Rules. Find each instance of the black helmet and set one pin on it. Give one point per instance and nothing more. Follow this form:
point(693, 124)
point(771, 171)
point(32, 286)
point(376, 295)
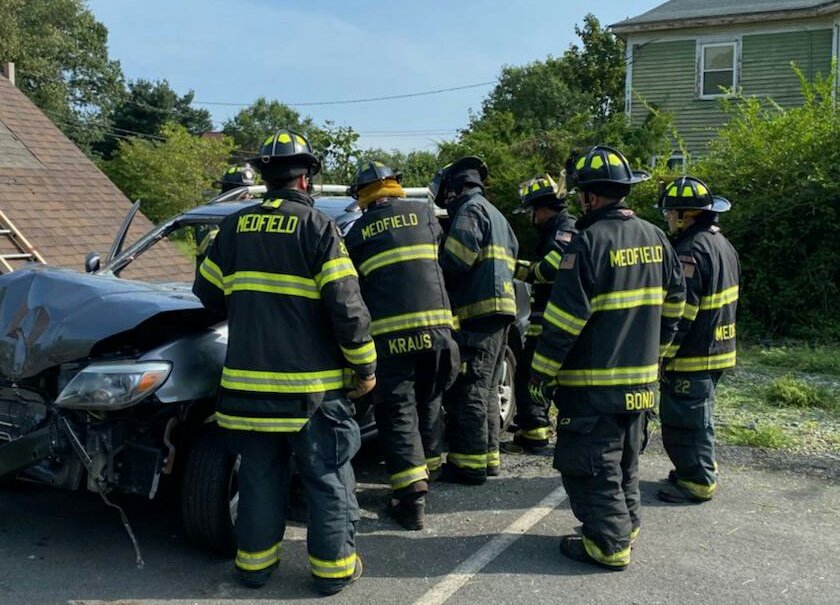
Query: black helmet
point(469, 169)
point(288, 154)
point(541, 191)
point(236, 176)
point(371, 172)
point(603, 164)
point(689, 193)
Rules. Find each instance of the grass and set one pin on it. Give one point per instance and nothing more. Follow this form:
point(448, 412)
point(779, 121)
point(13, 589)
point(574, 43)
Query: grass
point(782, 398)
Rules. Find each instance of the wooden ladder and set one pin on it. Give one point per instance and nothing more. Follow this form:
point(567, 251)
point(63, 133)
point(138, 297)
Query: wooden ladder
point(25, 250)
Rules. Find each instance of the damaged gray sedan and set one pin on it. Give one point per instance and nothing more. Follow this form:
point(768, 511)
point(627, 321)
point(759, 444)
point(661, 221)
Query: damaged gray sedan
point(109, 384)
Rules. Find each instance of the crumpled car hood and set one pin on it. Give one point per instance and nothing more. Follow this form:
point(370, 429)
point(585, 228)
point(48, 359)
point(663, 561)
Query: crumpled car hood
point(50, 316)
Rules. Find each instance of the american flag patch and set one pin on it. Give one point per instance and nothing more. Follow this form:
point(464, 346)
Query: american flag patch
point(568, 261)
point(563, 236)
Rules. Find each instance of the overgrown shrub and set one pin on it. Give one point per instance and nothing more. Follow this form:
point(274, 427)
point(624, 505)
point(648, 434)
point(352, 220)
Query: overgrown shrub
point(791, 392)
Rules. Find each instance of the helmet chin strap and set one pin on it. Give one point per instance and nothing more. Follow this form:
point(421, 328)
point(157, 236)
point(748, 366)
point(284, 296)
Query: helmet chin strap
point(587, 203)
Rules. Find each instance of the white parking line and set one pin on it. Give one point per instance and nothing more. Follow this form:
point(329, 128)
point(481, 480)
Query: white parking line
point(469, 568)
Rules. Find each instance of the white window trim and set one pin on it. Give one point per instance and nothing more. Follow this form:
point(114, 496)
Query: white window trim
point(674, 156)
point(701, 59)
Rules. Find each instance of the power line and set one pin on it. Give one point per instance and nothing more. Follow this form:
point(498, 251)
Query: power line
point(365, 100)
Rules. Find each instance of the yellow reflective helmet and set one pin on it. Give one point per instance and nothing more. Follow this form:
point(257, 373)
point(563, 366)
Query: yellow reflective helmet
point(689, 193)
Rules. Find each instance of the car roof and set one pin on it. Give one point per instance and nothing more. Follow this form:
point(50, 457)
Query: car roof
point(331, 205)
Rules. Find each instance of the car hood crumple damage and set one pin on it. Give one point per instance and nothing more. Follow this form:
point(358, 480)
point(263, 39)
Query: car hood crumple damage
point(50, 316)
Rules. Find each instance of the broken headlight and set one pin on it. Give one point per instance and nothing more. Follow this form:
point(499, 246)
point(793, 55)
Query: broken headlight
point(114, 385)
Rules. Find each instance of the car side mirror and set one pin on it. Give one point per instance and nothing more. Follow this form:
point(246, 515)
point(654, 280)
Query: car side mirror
point(92, 262)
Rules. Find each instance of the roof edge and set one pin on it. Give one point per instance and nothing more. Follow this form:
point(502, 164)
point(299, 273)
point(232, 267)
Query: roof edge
point(753, 17)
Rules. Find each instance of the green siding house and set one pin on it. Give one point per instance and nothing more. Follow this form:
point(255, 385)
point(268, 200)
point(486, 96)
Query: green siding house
point(682, 55)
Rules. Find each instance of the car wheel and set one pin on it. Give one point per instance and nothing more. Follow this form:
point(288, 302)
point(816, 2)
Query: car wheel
point(210, 492)
point(507, 399)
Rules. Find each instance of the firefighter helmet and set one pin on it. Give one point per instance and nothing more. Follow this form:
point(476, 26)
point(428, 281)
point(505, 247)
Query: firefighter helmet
point(236, 176)
point(467, 170)
point(603, 164)
point(371, 172)
point(288, 150)
point(542, 192)
point(689, 193)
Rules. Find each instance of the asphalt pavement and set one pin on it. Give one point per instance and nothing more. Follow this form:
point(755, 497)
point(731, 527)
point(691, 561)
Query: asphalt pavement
point(768, 537)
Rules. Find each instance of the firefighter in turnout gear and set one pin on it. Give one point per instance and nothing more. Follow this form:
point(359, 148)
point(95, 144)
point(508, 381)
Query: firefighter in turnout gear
point(705, 342)
point(280, 273)
point(478, 259)
point(233, 178)
point(614, 308)
point(394, 246)
point(546, 203)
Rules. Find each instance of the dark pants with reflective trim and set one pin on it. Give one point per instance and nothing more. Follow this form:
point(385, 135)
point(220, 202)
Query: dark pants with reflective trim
point(686, 406)
point(598, 457)
point(472, 404)
point(529, 414)
point(408, 394)
point(323, 449)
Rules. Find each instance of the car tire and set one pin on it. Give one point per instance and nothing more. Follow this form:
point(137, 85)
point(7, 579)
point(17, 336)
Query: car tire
point(209, 493)
point(507, 397)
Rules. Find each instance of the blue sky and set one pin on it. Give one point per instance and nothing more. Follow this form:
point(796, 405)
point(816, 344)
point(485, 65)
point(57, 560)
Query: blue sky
point(233, 51)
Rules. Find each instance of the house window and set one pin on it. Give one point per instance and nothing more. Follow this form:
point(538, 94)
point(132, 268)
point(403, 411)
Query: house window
point(717, 68)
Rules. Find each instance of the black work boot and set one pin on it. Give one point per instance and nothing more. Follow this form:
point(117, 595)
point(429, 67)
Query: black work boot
point(674, 493)
point(452, 474)
point(330, 586)
point(537, 447)
point(410, 512)
point(572, 547)
point(255, 579)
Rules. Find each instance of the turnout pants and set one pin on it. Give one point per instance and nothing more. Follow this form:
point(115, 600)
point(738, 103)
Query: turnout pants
point(685, 408)
point(472, 404)
point(531, 417)
point(323, 449)
point(598, 457)
point(407, 399)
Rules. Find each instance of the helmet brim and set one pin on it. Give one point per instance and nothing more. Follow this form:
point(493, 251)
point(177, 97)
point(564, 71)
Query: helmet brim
point(720, 204)
point(297, 158)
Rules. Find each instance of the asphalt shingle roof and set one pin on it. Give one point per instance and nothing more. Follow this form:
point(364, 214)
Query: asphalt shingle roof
point(60, 201)
point(676, 10)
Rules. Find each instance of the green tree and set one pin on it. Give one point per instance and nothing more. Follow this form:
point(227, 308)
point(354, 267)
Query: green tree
point(167, 175)
point(61, 62)
point(250, 126)
point(337, 147)
point(144, 110)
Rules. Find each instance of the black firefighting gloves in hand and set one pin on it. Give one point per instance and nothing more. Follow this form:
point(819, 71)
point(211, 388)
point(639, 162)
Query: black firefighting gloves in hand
point(362, 385)
point(540, 390)
point(523, 269)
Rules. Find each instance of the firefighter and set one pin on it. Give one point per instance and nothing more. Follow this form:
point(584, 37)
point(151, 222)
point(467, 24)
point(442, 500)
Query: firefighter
point(545, 202)
point(234, 177)
point(394, 246)
point(705, 342)
point(280, 273)
point(614, 307)
point(478, 257)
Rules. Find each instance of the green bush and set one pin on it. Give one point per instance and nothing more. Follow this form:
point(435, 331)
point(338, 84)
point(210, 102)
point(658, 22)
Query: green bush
point(771, 437)
point(780, 169)
point(791, 392)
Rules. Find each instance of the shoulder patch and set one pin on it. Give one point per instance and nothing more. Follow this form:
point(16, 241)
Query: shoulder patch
point(563, 237)
point(627, 213)
point(688, 269)
point(568, 261)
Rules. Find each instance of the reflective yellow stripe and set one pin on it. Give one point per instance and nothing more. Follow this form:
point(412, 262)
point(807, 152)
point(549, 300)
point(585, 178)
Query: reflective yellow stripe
point(627, 299)
point(537, 434)
point(671, 351)
point(690, 312)
point(608, 376)
point(340, 568)
point(460, 251)
point(497, 253)
point(409, 476)
point(494, 460)
point(256, 561)
point(663, 350)
point(698, 490)
point(634, 534)
point(545, 365)
point(553, 258)
point(434, 463)
point(282, 382)
point(540, 279)
point(399, 255)
point(673, 309)
point(437, 318)
point(334, 269)
point(534, 330)
point(361, 355)
point(565, 321)
point(703, 364)
point(616, 559)
point(504, 306)
point(263, 425)
point(467, 460)
point(211, 272)
point(721, 299)
point(273, 283)
point(206, 241)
